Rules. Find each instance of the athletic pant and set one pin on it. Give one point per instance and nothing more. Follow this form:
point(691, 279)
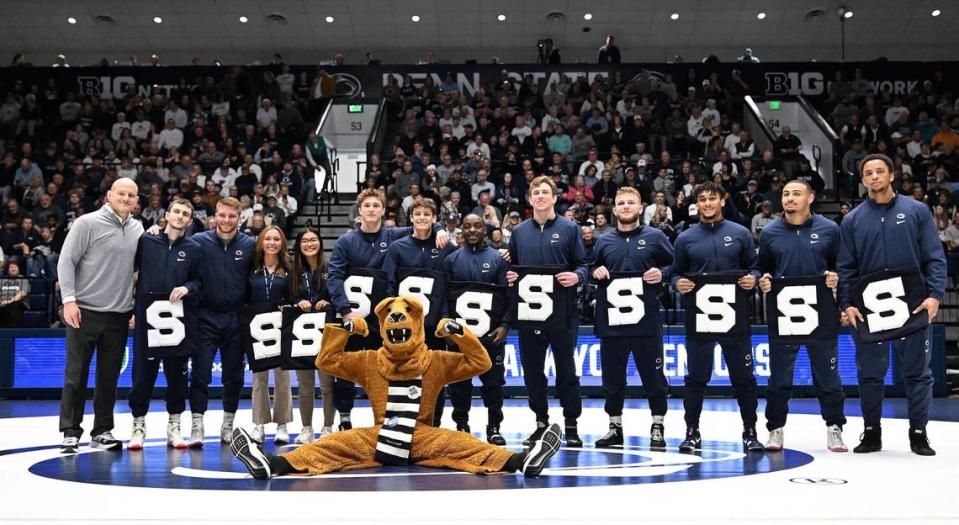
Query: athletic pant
point(344, 392)
point(823, 357)
point(107, 331)
point(492, 380)
point(532, 352)
point(217, 330)
point(648, 356)
point(145, 372)
point(872, 361)
point(738, 355)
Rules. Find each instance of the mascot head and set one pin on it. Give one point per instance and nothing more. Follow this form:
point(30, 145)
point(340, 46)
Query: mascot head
point(401, 325)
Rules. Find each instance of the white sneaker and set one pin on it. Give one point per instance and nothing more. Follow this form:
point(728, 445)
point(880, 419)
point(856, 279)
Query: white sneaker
point(226, 429)
point(70, 445)
point(174, 438)
point(282, 434)
point(139, 434)
point(196, 431)
point(834, 439)
point(257, 434)
point(326, 431)
point(775, 441)
point(306, 436)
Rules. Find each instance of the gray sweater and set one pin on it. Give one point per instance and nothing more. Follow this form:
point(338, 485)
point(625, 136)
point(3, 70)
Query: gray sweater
point(96, 263)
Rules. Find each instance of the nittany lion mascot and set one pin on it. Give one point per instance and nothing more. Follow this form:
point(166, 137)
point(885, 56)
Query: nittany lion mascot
point(402, 379)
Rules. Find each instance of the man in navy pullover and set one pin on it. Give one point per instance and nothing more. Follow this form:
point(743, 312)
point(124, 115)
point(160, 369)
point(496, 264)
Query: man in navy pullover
point(716, 245)
point(227, 256)
point(889, 231)
point(364, 247)
point(631, 247)
point(477, 262)
point(166, 264)
point(546, 239)
point(802, 244)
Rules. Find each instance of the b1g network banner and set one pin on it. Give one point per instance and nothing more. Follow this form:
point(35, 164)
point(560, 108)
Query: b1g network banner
point(767, 79)
point(39, 363)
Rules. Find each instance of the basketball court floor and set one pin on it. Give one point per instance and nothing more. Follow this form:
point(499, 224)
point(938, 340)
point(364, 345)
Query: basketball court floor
point(803, 484)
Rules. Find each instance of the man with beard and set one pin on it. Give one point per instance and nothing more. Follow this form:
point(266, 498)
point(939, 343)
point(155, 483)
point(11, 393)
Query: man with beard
point(644, 252)
point(475, 262)
point(801, 244)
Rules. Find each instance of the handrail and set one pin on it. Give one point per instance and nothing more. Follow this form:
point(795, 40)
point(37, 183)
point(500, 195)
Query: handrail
point(754, 109)
point(334, 163)
point(817, 118)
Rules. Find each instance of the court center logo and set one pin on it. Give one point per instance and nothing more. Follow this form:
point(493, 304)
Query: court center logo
point(214, 468)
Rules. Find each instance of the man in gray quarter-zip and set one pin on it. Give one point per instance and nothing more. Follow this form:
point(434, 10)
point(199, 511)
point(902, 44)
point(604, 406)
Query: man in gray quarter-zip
point(96, 282)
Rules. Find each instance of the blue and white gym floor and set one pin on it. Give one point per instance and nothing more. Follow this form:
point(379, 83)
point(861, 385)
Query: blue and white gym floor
point(803, 484)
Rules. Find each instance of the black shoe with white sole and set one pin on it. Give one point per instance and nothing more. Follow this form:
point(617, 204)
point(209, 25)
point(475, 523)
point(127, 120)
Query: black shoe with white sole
point(245, 449)
point(612, 439)
point(656, 438)
point(572, 437)
point(494, 437)
point(541, 450)
point(692, 442)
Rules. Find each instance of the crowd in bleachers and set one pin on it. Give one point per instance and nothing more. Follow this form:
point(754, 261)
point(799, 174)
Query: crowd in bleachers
point(247, 136)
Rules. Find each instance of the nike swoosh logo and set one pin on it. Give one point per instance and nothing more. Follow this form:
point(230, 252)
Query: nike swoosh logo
point(180, 260)
point(900, 222)
point(553, 241)
point(485, 271)
point(727, 244)
point(658, 367)
point(433, 256)
point(813, 242)
point(382, 251)
point(238, 258)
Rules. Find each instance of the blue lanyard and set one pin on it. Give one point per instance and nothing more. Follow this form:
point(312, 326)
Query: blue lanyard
point(268, 283)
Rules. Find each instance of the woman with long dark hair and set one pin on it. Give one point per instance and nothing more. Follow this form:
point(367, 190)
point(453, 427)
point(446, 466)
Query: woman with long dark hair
point(310, 293)
point(269, 282)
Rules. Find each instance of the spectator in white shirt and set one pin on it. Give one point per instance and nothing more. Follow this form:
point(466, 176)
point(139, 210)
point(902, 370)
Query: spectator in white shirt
point(729, 143)
point(521, 130)
point(171, 136)
point(892, 114)
point(225, 176)
point(141, 128)
point(176, 113)
point(121, 124)
point(711, 111)
point(479, 145)
point(286, 202)
point(591, 160)
point(266, 115)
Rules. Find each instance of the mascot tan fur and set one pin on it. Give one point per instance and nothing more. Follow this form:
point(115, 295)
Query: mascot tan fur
point(402, 379)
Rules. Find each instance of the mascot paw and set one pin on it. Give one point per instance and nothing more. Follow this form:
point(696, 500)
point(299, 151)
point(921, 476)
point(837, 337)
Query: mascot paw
point(448, 327)
point(356, 325)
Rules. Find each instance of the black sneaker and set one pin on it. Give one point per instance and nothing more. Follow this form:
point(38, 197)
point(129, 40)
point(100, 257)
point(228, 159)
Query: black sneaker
point(612, 439)
point(919, 442)
point(346, 425)
point(106, 441)
point(69, 445)
point(542, 449)
point(245, 450)
point(656, 436)
point(463, 428)
point(870, 440)
point(692, 442)
point(751, 441)
point(493, 437)
point(538, 433)
point(572, 437)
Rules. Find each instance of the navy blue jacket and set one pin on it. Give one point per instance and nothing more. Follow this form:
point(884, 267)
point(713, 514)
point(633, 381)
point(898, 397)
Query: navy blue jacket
point(557, 242)
point(635, 251)
point(224, 270)
point(313, 287)
point(410, 252)
point(805, 250)
point(163, 266)
point(357, 249)
point(479, 265)
point(876, 237)
point(715, 247)
point(260, 288)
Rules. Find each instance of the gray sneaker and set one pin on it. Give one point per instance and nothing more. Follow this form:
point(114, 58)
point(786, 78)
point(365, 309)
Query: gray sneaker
point(834, 439)
point(105, 441)
point(226, 429)
point(775, 440)
point(69, 445)
point(139, 434)
point(196, 431)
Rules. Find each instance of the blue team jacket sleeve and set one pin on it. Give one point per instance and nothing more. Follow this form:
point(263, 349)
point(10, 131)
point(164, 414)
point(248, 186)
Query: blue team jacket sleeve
point(336, 274)
point(390, 266)
point(665, 257)
point(847, 263)
point(501, 280)
point(194, 281)
point(513, 254)
point(764, 259)
point(579, 257)
point(749, 258)
point(680, 263)
point(933, 256)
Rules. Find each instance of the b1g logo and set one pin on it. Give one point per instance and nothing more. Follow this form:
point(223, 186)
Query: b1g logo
point(208, 469)
point(793, 83)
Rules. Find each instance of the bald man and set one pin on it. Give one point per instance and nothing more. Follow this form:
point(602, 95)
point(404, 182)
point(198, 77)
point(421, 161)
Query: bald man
point(96, 282)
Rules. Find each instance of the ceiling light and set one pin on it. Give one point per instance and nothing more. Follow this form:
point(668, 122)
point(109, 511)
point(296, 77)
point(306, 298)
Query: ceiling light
point(501, 18)
point(244, 19)
point(761, 16)
point(415, 18)
point(848, 14)
point(588, 16)
point(674, 16)
point(329, 20)
point(936, 12)
point(72, 20)
point(157, 20)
